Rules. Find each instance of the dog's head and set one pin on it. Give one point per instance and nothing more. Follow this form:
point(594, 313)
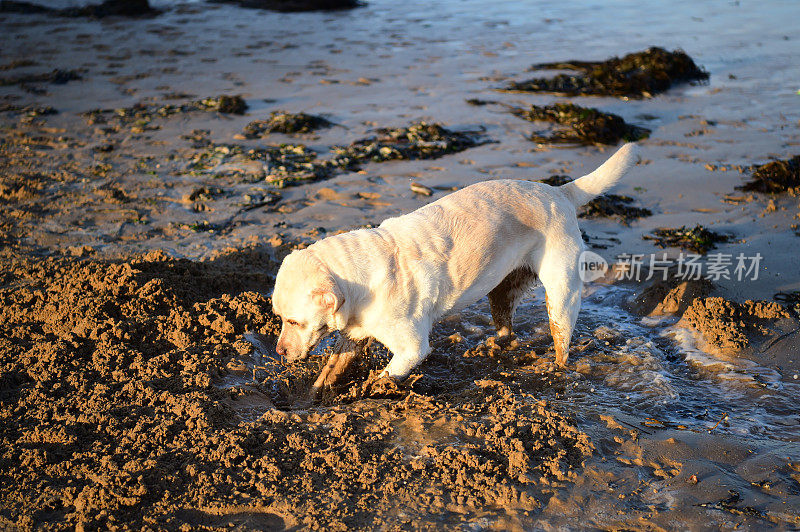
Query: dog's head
point(306, 298)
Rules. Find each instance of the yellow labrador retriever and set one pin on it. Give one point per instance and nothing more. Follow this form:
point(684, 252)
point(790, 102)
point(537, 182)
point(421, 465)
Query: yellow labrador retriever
point(393, 282)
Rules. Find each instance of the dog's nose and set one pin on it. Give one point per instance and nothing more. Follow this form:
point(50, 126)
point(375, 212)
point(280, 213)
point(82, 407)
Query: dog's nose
point(280, 350)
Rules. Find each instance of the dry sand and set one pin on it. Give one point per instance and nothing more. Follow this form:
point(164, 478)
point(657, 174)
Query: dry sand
point(138, 385)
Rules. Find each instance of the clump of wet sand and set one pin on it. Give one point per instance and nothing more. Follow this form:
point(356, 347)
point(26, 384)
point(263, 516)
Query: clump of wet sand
point(671, 296)
point(731, 327)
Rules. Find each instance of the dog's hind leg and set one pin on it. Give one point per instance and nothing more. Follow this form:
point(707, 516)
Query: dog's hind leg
point(563, 286)
point(504, 298)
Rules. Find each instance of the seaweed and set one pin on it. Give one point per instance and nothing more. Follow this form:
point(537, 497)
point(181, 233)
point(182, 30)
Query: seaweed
point(291, 164)
point(29, 111)
point(697, 239)
point(109, 8)
point(556, 180)
point(639, 74)
point(204, 194)
point(56, 77)
point(730, 505)
point(282, 165)
point(775, 177)
point(477, 102)
point(583, 125)
point(223, 103)
point(284, 122)
point(613, 206)
point(605, 206)
point(289, 6)
point(790, 300)
point(418, 141)
point(18, 63)
point(288, 164)
point(11, 6)
point(140, 115)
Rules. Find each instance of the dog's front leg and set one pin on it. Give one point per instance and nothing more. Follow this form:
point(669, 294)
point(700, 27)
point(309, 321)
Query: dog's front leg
point(345, 351)
point(409, 348)
point(562, 286)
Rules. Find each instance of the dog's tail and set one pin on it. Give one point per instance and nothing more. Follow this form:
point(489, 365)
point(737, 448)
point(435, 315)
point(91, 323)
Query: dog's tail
point(583, 189)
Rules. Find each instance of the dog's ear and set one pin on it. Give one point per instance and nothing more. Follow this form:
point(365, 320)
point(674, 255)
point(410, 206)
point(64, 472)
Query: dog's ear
point(326, 292)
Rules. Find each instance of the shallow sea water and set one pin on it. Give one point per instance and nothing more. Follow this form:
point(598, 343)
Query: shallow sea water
point(651, 369)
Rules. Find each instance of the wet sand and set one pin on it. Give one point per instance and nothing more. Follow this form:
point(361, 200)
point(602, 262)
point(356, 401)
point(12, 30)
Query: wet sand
point(139, 386)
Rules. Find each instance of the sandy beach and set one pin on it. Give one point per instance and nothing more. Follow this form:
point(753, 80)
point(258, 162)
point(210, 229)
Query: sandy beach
point(145, 208)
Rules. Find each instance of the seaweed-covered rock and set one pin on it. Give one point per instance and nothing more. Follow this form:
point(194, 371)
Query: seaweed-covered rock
point(640, 74)
point(775, 177)
point(289, 6)
point(56, 77)
point(290, 164)
point(418, 141)
point(139, 116)
point(234, 105)
point(583, 125)
point(697, 239)
point(613, 206)
point(109, 8)
point(28, 110)
point(284, 122)
point(11, 6)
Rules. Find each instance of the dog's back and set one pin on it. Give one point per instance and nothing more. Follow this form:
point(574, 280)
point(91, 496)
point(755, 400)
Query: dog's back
point(492, 238)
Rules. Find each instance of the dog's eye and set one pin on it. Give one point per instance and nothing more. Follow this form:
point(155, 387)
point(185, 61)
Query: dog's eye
point(292, 322)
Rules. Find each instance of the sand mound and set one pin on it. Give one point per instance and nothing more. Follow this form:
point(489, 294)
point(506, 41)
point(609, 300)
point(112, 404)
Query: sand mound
point(672, 296)
point(728, 326)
